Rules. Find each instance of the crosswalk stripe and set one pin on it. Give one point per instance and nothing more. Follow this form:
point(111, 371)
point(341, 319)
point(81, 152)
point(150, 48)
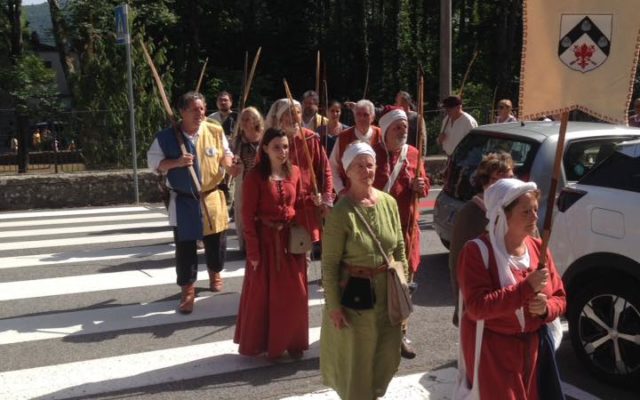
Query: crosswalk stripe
point(85, 240)
point(93, 229)
point(86, 256)
point(89, 377)
point(79, 220)
point(111, 319)
point(81, 211)
point(17, 290)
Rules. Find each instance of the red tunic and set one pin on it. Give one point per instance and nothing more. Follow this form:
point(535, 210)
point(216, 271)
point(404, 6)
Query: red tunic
point(401, 191)
point(274, 313)
point(508, 355)
point(307, 213)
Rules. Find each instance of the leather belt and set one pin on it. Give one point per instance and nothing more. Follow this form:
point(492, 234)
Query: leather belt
point(365, 272)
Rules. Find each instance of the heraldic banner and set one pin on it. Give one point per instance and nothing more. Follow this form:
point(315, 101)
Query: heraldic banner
point(579, 55)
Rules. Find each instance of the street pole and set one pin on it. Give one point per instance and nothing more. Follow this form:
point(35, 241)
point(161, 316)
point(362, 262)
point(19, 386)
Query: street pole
point(124, 37)
point(445, 48)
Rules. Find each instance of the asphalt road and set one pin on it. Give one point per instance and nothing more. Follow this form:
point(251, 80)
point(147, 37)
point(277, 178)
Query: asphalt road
point(87, 310)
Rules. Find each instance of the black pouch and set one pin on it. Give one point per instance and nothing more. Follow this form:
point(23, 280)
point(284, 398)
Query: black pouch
point(358, 294)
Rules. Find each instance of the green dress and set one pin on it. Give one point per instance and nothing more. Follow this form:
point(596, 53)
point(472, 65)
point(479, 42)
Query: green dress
point(359, 361)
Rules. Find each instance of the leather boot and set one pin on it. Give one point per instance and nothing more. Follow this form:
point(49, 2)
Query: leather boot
point(215, 281)
point(187, 299)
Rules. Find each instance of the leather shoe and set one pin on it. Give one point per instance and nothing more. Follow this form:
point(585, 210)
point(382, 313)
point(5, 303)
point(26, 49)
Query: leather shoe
point(406, 351)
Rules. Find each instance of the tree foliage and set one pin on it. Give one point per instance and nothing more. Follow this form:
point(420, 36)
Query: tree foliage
point(374, 43)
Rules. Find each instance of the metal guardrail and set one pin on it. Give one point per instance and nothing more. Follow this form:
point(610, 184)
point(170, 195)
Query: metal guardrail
point(45, 162)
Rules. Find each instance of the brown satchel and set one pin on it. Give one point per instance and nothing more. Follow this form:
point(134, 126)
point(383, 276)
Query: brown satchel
point(399, 305)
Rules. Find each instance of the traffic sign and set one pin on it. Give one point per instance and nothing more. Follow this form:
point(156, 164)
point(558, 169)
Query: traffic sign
point(122, 25)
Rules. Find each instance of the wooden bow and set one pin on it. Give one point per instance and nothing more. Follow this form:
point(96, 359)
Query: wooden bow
point(304, 142)
point(421, 139)
point(204, 67)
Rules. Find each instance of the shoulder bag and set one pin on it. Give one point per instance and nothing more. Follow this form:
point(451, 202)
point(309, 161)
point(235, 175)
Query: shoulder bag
point(399, 304)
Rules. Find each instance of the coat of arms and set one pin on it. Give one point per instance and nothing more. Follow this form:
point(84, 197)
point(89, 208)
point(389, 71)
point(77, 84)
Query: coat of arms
point(585, 40)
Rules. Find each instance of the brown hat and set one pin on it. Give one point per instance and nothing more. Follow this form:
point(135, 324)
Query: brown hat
point(452, 101)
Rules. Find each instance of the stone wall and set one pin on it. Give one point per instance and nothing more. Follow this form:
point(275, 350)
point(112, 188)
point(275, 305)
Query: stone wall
point(83, 189)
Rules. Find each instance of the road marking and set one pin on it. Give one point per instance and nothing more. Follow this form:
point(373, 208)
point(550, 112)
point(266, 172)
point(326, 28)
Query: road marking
point(81, 211)
point(434, 385)
point(94, 230)
point(97, 282)
point(85, 240)
point(110, 319)
point(84, 378)
point(84, 256)
point(80, 220)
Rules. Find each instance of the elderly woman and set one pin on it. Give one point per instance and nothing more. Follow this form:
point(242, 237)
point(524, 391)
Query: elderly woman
point(504, 112)
point(400, 173)
point(312, 198)
point(471, 221)
point(502, 285)
point(245, 147)
point(360, 348)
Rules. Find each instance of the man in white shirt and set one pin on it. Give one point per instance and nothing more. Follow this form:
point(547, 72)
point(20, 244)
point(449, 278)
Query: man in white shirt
point(455, 126)
point(364, 113)
point(310, 117)
point(225, 116)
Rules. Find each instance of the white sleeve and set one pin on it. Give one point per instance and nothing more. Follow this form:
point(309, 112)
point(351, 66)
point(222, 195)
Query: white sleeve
point(338, 185)
point(155, 156)
point(225, 146)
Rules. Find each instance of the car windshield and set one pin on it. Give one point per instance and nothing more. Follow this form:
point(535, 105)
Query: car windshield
point(469, 153)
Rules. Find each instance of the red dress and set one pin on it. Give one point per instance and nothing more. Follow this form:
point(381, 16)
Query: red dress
point(508, 356)
point(274, 312)
point(402, 192)
point(307, 214)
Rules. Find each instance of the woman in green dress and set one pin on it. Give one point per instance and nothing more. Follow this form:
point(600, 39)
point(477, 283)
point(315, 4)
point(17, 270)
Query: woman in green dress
point(360, 348)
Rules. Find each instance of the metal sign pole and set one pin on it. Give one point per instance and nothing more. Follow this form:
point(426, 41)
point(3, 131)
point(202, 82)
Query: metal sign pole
point(124, 37)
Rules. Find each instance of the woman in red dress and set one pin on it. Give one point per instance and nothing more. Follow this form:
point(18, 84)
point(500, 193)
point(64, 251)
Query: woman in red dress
point(274, 314)
point(502, 284)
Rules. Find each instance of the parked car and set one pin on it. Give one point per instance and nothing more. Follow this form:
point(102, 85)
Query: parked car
point(532, 146)
point(596, 245)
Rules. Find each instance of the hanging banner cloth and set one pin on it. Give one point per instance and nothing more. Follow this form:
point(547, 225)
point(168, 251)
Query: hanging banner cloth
point(579, 55)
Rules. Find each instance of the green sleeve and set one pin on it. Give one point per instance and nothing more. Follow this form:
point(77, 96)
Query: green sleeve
point(399, 251)
point(333, 243)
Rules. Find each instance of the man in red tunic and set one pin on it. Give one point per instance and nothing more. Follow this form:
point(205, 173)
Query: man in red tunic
point(400, 173)
point(364, 113)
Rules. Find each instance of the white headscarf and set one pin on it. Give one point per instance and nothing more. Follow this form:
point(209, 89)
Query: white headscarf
point(496, 197)
point(355, 149)
point(389, 118)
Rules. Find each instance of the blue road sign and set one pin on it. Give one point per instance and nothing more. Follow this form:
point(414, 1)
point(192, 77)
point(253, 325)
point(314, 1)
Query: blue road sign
point(122, 26)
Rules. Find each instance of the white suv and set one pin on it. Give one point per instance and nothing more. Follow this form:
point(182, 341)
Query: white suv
point(596, 244)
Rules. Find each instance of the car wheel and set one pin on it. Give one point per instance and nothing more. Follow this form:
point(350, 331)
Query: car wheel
point(445, 243)
point(604, 325)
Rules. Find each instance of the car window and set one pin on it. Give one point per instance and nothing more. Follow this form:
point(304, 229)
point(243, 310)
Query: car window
point(581, 156)
point(619, 171)
point(469, 153)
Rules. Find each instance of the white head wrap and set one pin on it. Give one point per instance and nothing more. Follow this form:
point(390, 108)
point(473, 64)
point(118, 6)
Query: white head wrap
point(275, 112)
point(389, 118)
point(355, 149)
point(496, 197)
